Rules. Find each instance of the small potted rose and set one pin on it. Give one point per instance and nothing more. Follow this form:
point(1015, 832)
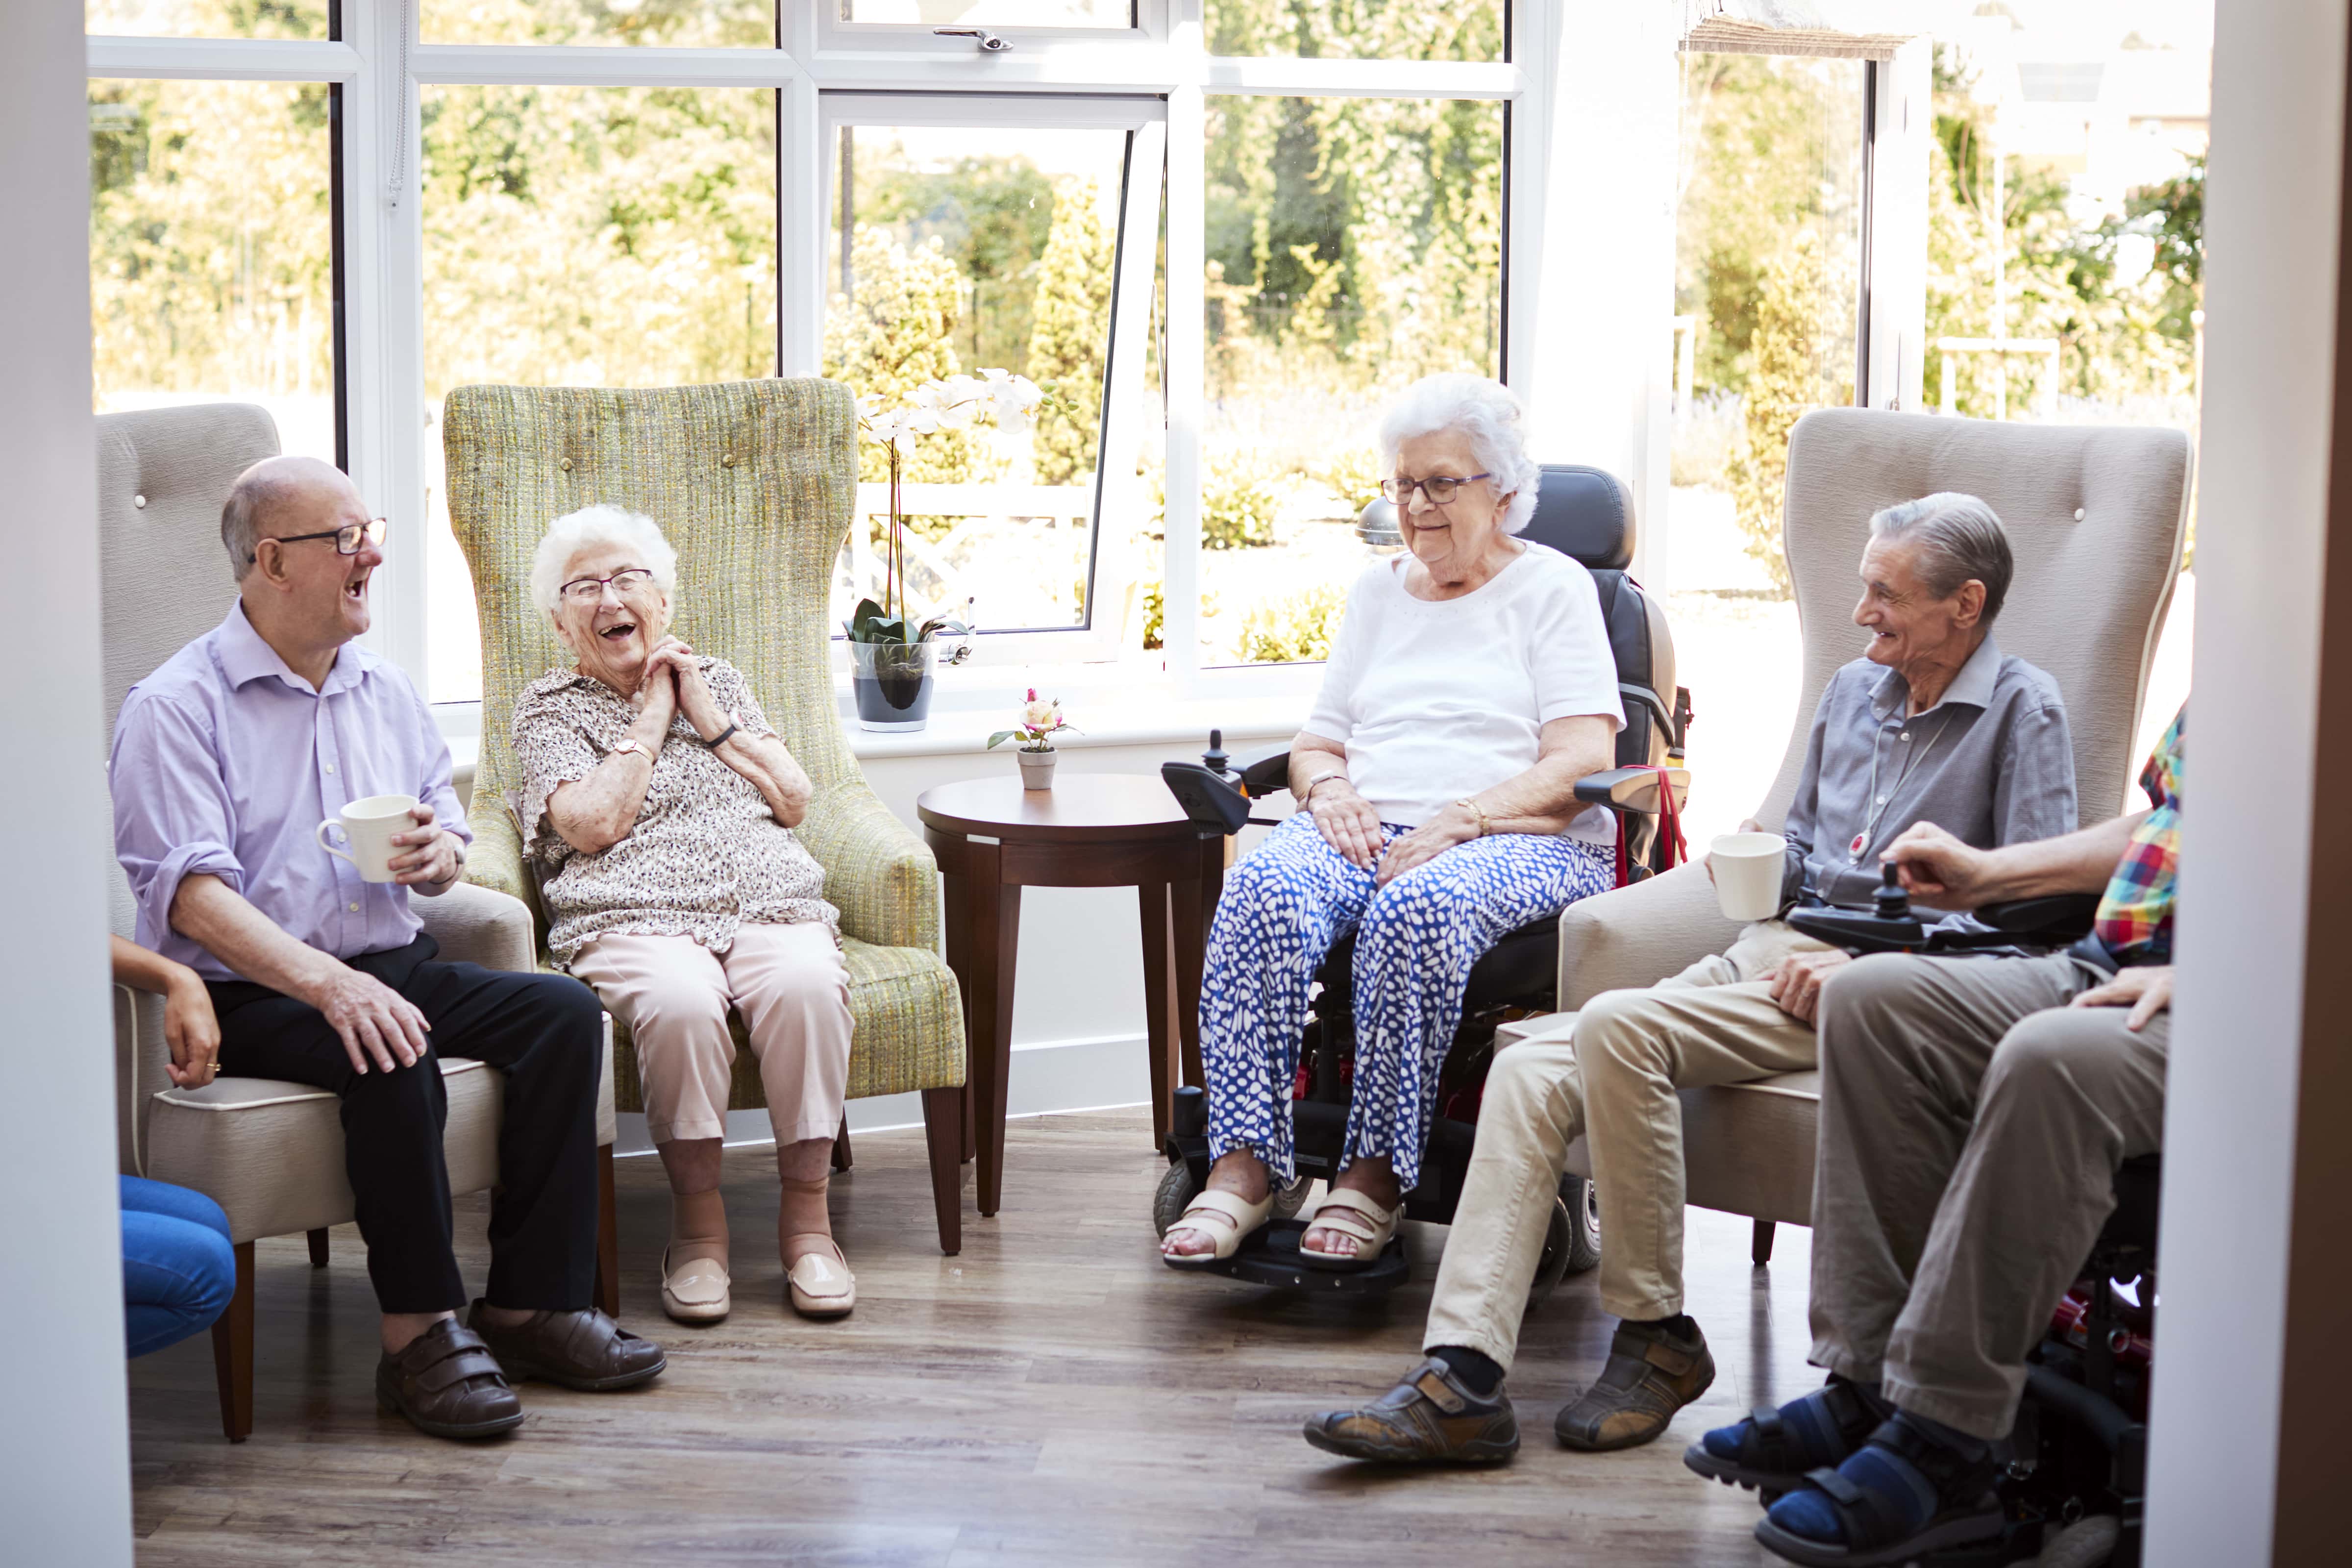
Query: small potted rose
point(1041, 721)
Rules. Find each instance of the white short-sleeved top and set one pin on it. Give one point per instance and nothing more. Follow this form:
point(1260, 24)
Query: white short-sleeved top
point(1437, 699)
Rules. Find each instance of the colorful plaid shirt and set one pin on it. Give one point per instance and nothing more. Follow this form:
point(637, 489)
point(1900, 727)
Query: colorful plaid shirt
point(2135, 921)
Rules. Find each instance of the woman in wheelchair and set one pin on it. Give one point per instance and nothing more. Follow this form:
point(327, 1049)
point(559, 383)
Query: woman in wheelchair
point(1471, 686)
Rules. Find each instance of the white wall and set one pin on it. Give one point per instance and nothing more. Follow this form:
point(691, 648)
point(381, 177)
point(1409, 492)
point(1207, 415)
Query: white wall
point(65, 1480)
point(2278, 107)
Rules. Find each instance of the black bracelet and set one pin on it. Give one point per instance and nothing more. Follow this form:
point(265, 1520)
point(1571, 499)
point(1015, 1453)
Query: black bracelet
point(721, 739)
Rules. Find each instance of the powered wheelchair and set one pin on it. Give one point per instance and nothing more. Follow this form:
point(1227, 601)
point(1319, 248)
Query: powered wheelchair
point(1586, 514)
point(2074, 1487)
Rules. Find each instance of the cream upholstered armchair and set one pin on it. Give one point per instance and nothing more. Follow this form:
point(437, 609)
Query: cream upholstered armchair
point(270, 1153)
point(2097, 517)
point(753, 482)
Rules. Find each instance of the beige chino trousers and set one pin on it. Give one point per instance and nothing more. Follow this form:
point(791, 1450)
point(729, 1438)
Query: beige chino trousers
point(788, 983)
point(1610, 1077)
point(1971, 1125)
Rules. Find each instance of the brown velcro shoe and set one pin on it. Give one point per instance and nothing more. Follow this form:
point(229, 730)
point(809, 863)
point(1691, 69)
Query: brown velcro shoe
point(1652, 1372)
point(584, 1350)
point(447, 1385)
point(1430, 1418)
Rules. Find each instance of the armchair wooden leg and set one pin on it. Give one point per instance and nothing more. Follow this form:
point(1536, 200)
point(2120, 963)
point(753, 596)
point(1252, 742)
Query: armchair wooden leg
point(319, 1247)
point(841, 1144)
point(608, 1237)
point(1761, 1248)
point(233, 1351)
point(943, 1138)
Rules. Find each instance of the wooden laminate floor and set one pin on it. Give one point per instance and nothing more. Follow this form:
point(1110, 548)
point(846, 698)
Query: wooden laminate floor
point(1052, 1395)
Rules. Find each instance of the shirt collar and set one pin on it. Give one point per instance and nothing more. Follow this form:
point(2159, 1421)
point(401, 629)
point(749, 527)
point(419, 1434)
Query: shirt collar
point(1972, 686)
point(244, 656)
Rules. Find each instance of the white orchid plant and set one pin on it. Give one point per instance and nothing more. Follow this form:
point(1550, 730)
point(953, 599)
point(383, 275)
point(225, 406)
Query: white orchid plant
point(1041, 721)
point(949, 402)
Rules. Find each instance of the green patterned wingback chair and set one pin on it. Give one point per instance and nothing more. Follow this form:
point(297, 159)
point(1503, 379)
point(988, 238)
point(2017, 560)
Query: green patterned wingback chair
point(754, 483)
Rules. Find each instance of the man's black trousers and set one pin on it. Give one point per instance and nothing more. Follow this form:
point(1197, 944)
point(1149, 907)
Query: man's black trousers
point(543, 1032)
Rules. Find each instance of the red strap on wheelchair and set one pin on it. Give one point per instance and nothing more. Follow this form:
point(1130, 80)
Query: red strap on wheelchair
point(1670, 832)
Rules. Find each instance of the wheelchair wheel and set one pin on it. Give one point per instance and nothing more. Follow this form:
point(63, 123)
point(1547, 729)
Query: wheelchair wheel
point(1578, 1197)
point(2085, 1543)
point(1176, 1189)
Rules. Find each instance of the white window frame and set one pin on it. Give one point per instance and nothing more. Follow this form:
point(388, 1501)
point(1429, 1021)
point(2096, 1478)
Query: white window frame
point(1563, 95)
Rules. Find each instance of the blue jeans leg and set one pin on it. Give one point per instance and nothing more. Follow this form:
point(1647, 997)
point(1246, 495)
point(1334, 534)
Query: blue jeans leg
point(178, 1269)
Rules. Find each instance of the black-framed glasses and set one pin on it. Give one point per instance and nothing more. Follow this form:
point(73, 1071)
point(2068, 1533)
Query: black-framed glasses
point(347, 538)
point(589, 590)
point(1439, 489)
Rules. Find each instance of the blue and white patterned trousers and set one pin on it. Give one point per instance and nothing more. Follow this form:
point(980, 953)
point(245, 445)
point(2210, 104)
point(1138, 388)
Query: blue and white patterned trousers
point(1284, 907)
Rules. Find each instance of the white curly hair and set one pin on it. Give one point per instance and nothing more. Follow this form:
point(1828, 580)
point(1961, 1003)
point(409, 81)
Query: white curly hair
point(1481, 408)
point(575, 531)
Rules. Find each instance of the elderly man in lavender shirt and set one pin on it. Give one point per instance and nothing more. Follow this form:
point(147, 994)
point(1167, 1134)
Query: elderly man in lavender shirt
point(225, 759)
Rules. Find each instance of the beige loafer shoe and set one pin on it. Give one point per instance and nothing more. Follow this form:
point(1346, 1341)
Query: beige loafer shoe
point(821, 1287)
point(696, 1292)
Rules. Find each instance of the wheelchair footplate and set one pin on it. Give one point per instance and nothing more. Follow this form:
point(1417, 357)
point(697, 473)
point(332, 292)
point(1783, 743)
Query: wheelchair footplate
point(1270, 1257)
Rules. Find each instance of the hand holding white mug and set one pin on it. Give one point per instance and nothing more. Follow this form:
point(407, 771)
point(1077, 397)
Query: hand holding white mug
point(427, 853)
point(1747, 825)
point(369, 825)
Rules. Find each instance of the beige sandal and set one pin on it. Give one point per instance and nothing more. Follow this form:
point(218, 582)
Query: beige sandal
point(1351, 1214)
point(1227, 1219)
point(698, 1291)
point(820, 1287)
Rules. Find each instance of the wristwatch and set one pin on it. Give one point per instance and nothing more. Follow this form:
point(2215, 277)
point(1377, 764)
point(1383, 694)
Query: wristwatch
point(734, 722)
point(630, 744)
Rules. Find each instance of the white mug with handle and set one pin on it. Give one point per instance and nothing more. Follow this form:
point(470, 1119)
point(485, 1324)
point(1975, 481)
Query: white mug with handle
point(368, 825)
point(1748, 870)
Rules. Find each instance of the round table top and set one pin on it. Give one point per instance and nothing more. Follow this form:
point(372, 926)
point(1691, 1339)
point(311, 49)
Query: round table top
point(1079, 808)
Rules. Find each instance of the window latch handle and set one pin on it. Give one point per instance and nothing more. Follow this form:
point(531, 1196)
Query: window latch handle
point(990, 43)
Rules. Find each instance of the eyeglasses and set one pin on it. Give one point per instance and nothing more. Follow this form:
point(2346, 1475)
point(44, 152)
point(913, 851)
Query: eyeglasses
point(1441, 488)
point(589, 590)
point(347, 538)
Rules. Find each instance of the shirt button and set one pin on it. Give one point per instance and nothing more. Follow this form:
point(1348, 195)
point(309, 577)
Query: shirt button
point(354, 908)
point(331, 767)
point(1904, 736)
point(1881, 800)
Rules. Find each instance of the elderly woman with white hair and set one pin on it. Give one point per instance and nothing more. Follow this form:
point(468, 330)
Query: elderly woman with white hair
point(1471, 686)
point(664, 801)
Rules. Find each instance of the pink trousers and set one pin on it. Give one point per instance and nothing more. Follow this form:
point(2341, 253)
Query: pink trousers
point(793, 990)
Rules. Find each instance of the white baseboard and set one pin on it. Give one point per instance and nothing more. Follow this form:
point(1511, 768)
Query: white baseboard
point(1048, 1075)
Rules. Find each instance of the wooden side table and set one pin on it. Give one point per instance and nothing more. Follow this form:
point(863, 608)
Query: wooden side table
point(993, 838)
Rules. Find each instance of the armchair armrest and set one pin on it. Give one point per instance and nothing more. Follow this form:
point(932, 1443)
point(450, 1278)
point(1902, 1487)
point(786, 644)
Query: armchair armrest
point(878, 871)
point(475, 924)
point(1632, 789)
point(495, 859)
point(1639, 935)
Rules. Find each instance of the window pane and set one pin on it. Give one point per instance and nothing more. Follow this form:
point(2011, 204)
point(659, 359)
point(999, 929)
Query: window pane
point(208, 19)
point(1358, 29)
point(586, 237)
point(211, 259)
point(1355, 245)
point(970, 249)
point(672, 24)
point(993, 13)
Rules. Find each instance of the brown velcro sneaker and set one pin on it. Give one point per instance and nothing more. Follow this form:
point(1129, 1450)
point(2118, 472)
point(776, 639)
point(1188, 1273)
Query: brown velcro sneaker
point(448, 1386)
point(584, 1350)
point(1652, 1372)
point(1430, 1418)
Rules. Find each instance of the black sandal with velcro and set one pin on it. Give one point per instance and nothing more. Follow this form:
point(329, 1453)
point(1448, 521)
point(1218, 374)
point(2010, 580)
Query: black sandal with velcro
point(1877, 1536)
point(1772, 1456)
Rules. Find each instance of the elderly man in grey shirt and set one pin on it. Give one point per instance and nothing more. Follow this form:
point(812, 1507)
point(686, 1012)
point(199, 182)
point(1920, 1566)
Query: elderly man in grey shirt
point(1934, 724)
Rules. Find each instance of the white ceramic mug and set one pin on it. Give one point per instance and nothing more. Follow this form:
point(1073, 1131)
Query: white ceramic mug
point(1748, 869)
point(367, 825)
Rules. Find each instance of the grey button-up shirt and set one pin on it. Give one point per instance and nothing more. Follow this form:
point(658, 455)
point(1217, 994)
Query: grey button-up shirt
point(1993, 763)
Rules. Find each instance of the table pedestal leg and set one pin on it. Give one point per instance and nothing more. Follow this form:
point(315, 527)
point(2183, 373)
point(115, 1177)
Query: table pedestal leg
point(1159, 1001)
point(1195, 902)
point(983, 937)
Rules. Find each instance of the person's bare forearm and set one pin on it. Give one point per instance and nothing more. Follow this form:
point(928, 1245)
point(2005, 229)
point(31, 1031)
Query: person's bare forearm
point(1542, 799)
point(216, 917)
point(775, 772)
point(596, 810)
point(1312, 757)
point(2077, 862)
point(142, 970)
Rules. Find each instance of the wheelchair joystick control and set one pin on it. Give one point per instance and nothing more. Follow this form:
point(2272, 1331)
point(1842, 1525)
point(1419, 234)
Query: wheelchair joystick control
point(1215, 758)
point(1893, 903)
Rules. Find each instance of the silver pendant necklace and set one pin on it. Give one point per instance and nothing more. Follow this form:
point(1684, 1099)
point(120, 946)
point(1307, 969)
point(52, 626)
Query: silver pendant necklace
point(1862, 840)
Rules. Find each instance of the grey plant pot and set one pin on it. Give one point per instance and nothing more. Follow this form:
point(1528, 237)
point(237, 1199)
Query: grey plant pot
point(1037, 769)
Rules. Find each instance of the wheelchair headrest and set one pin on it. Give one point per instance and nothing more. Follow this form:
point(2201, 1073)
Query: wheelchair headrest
point(1585, 513)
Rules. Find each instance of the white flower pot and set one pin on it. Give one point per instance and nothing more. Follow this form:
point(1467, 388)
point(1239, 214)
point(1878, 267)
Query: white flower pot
point(1037, 769)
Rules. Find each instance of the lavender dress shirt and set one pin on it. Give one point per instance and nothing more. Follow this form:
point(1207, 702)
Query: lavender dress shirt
point(224, 764)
